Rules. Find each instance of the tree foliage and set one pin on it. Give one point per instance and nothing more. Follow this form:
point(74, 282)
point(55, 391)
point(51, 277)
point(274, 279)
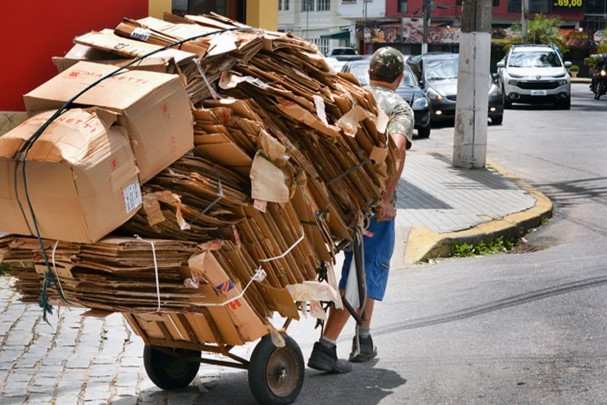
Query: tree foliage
point(540, 30)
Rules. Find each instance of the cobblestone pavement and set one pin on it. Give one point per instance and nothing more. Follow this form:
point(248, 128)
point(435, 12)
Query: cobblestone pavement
point(77, 360)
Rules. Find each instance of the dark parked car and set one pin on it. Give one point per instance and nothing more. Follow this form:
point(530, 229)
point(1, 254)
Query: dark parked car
point(409, 90)
point(438, 74)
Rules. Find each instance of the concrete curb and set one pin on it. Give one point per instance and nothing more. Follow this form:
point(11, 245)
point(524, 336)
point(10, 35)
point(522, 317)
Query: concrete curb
point(418, 244)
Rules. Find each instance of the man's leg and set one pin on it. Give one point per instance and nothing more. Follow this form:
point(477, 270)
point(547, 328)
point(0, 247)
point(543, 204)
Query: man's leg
point(324, 353)
point(335, 323)
point(363, 348)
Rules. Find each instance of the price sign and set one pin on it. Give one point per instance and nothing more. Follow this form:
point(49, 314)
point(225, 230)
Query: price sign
point(571, 6)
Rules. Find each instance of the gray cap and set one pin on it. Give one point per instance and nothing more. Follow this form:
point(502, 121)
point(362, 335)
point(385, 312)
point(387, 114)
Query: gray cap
point(387, 61)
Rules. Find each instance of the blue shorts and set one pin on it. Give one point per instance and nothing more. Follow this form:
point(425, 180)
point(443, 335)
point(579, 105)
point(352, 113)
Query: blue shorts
point(379, 247)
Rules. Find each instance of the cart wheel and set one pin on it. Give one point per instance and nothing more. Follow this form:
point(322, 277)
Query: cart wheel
point(276, 374)
point(171, 372)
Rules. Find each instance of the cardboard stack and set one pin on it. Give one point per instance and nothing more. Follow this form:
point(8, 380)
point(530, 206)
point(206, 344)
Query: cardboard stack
point(82, 174)
point(275, 160)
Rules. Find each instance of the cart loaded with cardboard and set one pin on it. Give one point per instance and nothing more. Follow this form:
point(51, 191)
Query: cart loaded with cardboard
point(197, 176)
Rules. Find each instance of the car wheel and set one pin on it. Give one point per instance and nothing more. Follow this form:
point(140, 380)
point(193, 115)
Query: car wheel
point(497, 119)
point(507, 102)
point(566, 105)
point(424, 132)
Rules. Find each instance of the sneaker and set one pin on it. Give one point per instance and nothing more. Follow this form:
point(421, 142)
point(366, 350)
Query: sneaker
point(325, 359)
point(363, 350)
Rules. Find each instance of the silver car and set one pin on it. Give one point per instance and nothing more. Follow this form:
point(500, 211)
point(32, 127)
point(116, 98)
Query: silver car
point(535, 74)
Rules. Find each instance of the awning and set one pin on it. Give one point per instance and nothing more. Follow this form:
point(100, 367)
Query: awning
point(337, 35)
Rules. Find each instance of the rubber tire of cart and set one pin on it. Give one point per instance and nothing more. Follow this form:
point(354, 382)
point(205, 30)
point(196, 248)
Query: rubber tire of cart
point(276, 374)
point(170, 372)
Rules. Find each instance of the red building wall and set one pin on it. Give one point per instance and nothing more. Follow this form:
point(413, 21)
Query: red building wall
point(450, 8)
point(32, 32)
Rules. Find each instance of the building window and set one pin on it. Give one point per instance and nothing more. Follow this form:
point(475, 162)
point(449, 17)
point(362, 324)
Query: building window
point(538, 6)
point(307, 5)
point(495, 3)
point(535, 6)
point(514, 6)
point(595, 7)
point(285, 5)
point(323, 5)
point(279, 5)
point(402, 6)
point(322, 44)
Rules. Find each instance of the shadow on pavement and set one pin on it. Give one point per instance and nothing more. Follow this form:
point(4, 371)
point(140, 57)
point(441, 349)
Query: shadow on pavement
point(364, 385)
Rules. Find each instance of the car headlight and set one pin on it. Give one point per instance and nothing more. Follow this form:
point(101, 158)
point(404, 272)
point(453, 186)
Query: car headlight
point(433, 94)
point(420, 103)
point(562, 82)
point(512, 82)
point(603, 73)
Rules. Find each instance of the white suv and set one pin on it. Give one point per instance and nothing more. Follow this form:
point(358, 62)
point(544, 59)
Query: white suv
point(535, 74)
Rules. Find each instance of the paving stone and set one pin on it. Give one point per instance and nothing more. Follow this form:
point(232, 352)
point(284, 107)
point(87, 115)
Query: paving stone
point(40, 398)
point(99, 371)
point(16, 385)
point(66, 398)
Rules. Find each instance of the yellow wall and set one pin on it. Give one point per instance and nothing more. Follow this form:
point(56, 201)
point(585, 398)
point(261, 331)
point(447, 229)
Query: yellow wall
point(260, 13)
point(263, 14)
point(158, 7)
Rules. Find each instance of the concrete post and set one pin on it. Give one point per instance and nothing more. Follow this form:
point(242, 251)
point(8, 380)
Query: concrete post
point(426, 20)
point(470, 133)
point(524, 19)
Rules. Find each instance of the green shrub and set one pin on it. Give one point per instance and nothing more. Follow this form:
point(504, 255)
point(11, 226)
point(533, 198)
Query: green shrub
point(497, 245)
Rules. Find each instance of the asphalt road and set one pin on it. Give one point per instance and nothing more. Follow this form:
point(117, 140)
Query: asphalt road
point(525, 328)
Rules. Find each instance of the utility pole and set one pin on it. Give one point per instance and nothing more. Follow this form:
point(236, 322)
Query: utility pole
point(427, 10)
point(471, 110)
point(307, 19)
point(524, 18)
point(365, 27)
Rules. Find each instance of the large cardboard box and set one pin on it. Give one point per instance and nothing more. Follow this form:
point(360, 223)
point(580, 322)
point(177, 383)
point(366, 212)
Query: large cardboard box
point(154, 107)
point(80, 174)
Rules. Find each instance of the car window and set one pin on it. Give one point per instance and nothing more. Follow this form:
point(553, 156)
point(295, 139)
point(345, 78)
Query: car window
point(409, 80)
point(445, 69)
point(346, 51)
point(534, 59)
point(361, 71)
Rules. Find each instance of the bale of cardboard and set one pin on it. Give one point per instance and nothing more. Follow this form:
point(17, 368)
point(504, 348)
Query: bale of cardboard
point(154, 108)
point(288, 159)
point(79, 178)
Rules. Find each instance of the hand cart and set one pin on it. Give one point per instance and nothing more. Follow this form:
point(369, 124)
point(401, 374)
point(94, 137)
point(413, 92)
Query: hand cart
point(275, 374)
point(175, 342)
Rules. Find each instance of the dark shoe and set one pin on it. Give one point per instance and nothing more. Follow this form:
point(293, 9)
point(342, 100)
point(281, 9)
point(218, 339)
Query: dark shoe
point(362, 349)
point(325, 359)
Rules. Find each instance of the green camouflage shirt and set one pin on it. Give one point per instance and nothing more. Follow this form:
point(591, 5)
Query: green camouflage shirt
point(400, 114)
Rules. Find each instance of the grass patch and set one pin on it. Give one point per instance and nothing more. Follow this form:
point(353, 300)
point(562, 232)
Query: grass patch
point(495, 246)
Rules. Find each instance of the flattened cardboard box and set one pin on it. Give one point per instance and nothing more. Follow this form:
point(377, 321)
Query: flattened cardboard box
point(80, 53)
point(154, 107)
point(81, 178)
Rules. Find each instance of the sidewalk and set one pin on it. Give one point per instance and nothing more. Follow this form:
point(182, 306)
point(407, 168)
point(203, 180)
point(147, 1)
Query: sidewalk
point(439, 205)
